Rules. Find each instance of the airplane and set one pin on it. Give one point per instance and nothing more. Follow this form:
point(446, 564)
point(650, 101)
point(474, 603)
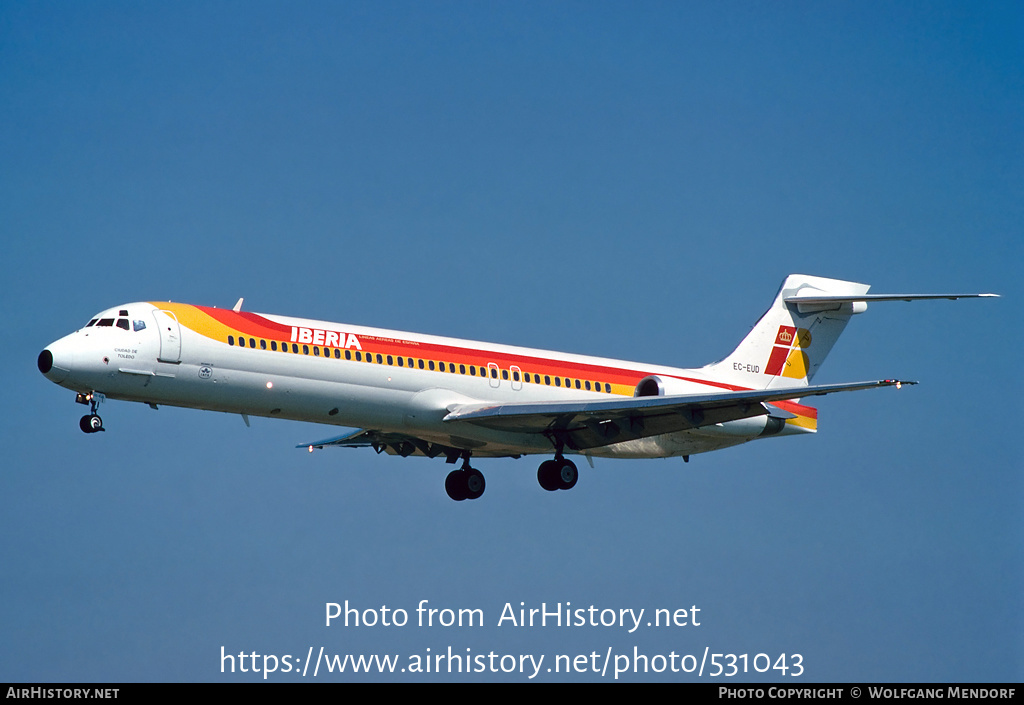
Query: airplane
point(421, 395)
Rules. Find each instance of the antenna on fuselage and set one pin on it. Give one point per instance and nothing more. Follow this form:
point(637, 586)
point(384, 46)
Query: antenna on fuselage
point(238, 305)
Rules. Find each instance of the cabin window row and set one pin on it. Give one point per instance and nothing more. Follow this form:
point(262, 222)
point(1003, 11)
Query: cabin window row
point(416, 363)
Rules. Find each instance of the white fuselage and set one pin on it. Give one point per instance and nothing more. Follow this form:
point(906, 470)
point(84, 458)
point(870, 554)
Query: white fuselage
point(390, 381)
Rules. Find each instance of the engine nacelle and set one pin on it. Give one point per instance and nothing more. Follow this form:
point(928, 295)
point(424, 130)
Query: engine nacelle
point(658, 386)
point(748, 428)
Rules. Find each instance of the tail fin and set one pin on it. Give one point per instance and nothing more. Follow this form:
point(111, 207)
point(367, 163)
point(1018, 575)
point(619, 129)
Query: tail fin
point(790, 341)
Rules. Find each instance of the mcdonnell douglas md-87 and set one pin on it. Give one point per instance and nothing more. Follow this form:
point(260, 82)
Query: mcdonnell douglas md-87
point(411, 394)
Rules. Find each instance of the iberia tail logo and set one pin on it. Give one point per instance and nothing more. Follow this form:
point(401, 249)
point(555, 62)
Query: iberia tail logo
point(788, 357)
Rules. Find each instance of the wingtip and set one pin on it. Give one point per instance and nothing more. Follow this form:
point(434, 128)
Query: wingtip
point(897, 382)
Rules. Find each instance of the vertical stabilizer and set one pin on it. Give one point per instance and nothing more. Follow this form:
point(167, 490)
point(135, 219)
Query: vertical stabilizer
point(785, 348)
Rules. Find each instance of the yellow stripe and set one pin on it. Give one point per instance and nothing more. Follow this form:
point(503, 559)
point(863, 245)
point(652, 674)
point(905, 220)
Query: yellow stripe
point(194, 319)
point(804, 422)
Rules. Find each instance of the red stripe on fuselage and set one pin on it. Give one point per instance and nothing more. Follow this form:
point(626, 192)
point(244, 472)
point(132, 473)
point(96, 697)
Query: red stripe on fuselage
point(255, 325)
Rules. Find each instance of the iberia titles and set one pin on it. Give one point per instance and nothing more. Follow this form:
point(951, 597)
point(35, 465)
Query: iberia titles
point(330, 338)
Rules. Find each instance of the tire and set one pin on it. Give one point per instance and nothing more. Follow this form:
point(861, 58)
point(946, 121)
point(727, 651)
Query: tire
point(455, 485)
point(568, 474)
point(474, 483)
point(547, 475)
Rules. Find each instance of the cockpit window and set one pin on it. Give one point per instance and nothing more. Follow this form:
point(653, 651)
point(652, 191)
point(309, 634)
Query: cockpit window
point(138, 325)
point(91, 323)
point(105, 322)
point(122, 323)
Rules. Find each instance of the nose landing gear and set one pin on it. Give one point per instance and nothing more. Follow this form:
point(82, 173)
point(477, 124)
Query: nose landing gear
point(90, 423)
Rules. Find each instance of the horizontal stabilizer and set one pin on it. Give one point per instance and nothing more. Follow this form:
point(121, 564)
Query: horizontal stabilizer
point(880, 297)
point(808, 303)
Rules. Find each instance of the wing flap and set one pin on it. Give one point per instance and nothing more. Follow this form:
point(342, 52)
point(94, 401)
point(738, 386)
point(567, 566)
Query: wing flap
point(401, 444)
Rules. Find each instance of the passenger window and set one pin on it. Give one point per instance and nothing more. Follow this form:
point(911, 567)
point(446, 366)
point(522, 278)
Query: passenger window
point(577, 384)
point(558, 381)
point(462, 369)
point(231, 340)
point(380, 359)
point(263, 344)
point(252, 342)
point(241, 342)
point(504, 375)
point(401, 362)
point(316, 351)
point(431, 365)
point(547, 380)
point(305, 350)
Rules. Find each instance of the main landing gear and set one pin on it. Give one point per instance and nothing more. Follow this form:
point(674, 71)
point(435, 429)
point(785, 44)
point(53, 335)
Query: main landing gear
point(465, 483)
point(90, 423)
point(468, 482)
point(557, 474)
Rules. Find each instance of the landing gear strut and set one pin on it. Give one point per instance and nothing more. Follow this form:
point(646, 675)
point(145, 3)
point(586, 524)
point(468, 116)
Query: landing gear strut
point(90, 423)
point(465, 483)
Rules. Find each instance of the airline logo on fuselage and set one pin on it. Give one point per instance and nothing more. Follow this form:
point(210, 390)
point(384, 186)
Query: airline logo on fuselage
point(330, 338)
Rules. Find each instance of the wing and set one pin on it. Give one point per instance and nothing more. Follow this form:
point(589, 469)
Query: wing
point(590, 424)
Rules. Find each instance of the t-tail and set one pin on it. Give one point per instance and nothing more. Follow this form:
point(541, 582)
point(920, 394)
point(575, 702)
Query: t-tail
point(787, 345)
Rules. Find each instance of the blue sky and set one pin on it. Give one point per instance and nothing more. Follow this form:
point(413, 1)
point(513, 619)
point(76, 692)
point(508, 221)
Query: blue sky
point(631, 181)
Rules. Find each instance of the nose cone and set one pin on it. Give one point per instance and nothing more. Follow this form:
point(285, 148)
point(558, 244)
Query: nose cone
point(55, 362)
point(45, 361)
